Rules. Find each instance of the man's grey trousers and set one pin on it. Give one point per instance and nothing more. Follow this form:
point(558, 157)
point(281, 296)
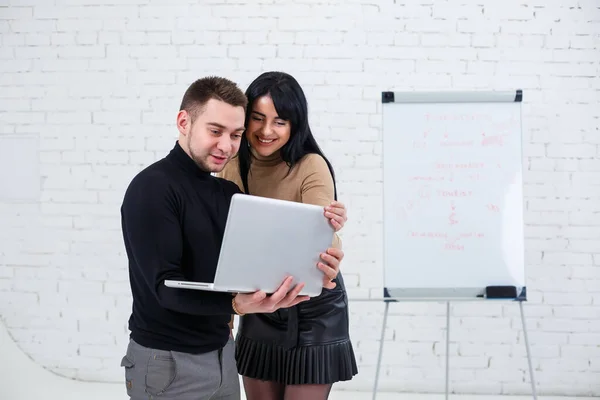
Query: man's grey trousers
point(160, 374)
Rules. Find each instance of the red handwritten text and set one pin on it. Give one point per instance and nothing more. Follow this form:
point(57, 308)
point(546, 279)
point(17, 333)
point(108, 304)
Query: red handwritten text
point(437, 235)
point(452, 219)
point(493, 208)
point(466, 235)
point(426, 178)
point(454, 193)
point(492, 140)
point(452, 242)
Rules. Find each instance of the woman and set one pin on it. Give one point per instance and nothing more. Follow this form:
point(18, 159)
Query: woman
point(295, 353)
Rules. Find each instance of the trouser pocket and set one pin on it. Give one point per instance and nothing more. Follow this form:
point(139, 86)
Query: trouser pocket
point(128, 364)
point(160, 372)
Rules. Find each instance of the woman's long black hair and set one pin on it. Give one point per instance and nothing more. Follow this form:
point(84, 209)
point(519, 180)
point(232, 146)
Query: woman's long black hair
point(291, 105)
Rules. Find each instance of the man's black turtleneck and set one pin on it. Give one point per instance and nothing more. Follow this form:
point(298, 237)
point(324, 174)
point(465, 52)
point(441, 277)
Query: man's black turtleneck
point(173, 218)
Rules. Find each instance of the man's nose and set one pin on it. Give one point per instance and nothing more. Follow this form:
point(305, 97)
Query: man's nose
point(224, 144)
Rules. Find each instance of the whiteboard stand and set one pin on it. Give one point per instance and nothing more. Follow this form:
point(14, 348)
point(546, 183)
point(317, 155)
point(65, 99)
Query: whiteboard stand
point(453, 204)
point(387, 300)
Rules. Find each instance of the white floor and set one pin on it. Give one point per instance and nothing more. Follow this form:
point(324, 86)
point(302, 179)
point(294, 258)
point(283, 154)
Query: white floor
point(22, 379)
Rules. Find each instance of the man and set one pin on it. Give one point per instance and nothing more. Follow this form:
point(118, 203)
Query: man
point(173, 218)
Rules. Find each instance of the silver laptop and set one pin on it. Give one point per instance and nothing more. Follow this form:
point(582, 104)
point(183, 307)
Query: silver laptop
point(265, 241)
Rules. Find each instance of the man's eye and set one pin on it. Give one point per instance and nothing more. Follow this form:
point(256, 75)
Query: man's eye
point(214, 132)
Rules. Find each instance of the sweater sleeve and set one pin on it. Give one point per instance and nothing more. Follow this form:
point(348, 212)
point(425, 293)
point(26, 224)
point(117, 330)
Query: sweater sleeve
point(153, 240)
point(317, 186)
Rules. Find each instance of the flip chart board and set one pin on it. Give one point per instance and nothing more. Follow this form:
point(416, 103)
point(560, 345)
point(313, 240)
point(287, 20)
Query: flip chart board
point(452, 194)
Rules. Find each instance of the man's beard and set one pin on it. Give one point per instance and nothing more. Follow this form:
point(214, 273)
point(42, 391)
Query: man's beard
point(202, 164)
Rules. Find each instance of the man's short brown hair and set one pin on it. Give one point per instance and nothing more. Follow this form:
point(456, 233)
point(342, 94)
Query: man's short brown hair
point(211, 87)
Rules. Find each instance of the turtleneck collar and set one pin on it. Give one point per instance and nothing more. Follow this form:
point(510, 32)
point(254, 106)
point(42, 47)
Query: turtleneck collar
point(179, 157)
point(269, 161)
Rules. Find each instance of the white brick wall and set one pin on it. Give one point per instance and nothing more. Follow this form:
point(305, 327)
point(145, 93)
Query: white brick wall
point(100, 84)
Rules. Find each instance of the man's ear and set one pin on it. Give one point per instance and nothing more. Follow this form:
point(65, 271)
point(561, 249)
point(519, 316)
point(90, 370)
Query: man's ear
point(183, 122)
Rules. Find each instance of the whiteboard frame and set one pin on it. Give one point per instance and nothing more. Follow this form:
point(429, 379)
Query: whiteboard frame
point(452, 97)
point(446, 294)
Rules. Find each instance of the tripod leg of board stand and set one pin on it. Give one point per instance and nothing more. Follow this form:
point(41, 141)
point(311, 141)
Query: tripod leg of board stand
point(385, 314)
point(447, 347)
point(531, 376)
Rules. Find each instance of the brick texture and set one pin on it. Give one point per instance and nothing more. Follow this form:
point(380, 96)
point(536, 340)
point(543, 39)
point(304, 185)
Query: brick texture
point(99, 82)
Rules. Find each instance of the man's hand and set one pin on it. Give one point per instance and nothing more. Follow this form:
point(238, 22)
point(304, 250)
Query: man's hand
point(336, 213)
point(258, 302)
point(331, 266)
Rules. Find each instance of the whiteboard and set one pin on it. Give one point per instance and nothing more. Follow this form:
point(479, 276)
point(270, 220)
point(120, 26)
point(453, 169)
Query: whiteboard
point(452, 193)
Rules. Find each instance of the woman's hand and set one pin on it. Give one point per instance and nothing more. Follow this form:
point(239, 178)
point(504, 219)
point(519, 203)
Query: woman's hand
point(258, 302)
point(330, 266)
point(336, 213)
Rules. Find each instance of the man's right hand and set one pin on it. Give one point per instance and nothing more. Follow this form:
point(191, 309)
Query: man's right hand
point(258, 302)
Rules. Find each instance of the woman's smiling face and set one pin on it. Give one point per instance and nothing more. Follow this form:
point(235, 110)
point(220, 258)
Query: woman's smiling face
point(266, 132)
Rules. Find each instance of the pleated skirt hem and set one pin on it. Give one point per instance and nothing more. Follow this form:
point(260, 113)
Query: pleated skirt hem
point(315, 365)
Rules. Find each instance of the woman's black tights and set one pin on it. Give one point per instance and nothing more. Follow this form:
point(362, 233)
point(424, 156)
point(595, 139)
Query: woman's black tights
point(264, 390)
